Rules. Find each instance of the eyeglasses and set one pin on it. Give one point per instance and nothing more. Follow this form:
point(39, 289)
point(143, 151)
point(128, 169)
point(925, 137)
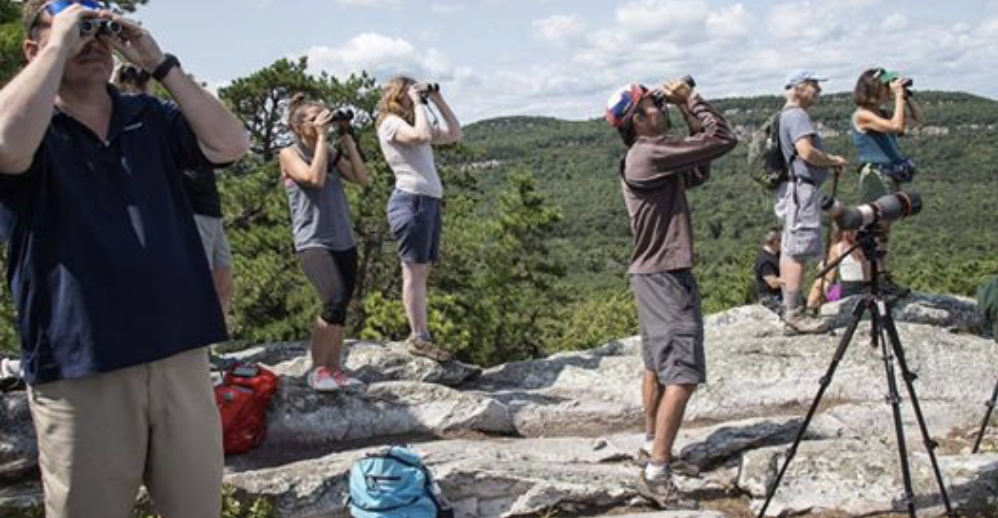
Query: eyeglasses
point(57, 7)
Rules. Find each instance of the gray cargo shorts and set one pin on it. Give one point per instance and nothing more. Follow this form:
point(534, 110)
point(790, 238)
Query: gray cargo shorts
point(798, 205)
point(671, 326)
point(215, 243)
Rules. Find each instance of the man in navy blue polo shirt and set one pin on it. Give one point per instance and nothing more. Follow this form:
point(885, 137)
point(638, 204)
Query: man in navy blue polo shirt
point(114, 297)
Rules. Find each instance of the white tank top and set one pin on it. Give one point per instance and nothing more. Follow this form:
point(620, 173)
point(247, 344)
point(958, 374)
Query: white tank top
point(850, 270)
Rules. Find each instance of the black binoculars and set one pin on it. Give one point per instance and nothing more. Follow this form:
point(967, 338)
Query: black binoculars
point(100, 27)
point(425, 89)
point(658, 95)
point(342, 115)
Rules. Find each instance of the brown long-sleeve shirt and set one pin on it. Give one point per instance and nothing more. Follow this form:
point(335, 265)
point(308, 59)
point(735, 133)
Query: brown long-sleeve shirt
point(655, 190)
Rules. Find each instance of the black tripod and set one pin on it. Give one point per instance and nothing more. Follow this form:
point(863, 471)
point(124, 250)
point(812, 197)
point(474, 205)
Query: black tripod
point(987, 417)
point(883, 334)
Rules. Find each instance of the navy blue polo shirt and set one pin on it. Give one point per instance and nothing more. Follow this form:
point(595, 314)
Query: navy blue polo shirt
point(104, 259)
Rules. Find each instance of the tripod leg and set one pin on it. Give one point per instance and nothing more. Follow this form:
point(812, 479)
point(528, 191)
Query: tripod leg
point(826, 380)
point(909, 380)
point(987, 417)
point(877, 323)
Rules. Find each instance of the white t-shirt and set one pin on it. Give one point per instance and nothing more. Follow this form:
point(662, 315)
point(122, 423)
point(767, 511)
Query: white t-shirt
point(415, 171)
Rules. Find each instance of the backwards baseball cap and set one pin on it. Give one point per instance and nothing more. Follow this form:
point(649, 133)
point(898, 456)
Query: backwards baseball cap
point(886, 76)
point(800, 76)
point(623, 102)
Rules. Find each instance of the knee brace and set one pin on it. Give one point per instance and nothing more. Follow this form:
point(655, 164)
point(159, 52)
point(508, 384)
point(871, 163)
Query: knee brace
point(335, 313)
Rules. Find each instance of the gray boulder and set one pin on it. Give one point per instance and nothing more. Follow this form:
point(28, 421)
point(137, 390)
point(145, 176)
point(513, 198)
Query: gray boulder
point(18, 447)
point(302, 416)
point(860, 477)
point(508, 477)
point(371, 362)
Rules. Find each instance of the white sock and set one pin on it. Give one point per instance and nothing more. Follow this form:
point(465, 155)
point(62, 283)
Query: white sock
point(653, 470)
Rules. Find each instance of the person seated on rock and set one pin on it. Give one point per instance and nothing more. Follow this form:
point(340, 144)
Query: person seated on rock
point(312, 173)
point(844, 281)
point(798, 200)
point(115, 303)
point(768, 285)
point(655, 172)
point(415, 215)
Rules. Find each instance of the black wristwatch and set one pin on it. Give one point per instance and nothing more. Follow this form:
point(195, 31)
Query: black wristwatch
point(164, 67)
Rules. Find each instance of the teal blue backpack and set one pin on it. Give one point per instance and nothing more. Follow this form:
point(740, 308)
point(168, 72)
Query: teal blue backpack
point(394, 484)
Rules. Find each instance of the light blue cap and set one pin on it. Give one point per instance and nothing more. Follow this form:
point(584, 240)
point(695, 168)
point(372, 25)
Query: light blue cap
point(799, 76)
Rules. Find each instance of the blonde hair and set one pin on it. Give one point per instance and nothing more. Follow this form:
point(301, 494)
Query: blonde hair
point(296, 111)
point(392, 96)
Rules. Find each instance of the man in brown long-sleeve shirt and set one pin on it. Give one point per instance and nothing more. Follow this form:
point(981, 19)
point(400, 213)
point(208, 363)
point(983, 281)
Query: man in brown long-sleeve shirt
point(655, 173)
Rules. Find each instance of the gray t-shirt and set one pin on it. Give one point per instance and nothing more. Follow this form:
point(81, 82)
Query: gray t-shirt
point(320, 217)
point(796, 124)
point(415, 171)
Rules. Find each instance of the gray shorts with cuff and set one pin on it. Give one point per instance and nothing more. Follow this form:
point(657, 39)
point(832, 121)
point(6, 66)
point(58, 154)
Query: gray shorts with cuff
point(671, 325)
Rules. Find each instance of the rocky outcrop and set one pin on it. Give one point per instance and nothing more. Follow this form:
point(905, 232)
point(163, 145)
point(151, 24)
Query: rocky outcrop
point(862, 477)
point(18, 448)
point(559, 433)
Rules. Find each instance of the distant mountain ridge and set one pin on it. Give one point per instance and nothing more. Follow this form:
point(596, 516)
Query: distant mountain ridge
point(947, 248)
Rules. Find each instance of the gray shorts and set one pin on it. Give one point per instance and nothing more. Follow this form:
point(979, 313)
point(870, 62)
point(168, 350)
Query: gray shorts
point(798, 205)
point(416, 222)
point(671, 326)
point(215, 243)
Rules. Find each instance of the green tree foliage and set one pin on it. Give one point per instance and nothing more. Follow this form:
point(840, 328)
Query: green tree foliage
point(11, 36)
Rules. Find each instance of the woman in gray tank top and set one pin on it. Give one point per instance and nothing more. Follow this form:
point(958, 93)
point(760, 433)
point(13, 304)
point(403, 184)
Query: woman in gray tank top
point(312, 174)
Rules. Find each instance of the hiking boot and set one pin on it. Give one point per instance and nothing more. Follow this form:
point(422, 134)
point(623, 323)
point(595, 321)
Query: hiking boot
point(800, 323)
point(676, 465)
point(664, 493)
point(324, 380)
point(419, 346)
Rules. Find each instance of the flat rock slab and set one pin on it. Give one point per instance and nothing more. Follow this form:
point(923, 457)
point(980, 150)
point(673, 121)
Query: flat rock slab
point(18, 447)
point(302, 416)
point(505, 477)
point(860, 477)
point(371, 362)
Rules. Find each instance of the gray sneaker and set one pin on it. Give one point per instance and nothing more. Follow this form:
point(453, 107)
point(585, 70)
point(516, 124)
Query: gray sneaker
point(800, 323)
point(664, 493)
point(676, 465)
point(418, 346)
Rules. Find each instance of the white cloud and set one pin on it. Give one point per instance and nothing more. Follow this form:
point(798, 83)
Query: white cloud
point(384, 57)
point(446, 8)
point(559, 29)
point(367, 3)
point(895, 22)
point(646, 17)
point(730, 22)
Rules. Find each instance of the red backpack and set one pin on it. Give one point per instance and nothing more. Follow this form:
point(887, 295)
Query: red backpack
point(242, 400)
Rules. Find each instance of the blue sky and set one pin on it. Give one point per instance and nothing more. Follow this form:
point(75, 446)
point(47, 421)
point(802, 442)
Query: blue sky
point(562, 58)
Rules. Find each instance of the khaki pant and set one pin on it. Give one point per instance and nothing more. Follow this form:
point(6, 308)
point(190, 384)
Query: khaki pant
point(101, 437)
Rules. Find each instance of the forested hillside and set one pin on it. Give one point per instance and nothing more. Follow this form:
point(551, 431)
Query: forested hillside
point(536, 241)
point(948, 248)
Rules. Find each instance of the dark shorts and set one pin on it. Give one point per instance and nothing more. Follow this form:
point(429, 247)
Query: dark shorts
point(416, 222)
point(333, 274)
point(671, 326)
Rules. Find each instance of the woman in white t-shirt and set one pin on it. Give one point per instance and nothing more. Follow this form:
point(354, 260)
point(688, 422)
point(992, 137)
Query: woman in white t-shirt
point(407, 135)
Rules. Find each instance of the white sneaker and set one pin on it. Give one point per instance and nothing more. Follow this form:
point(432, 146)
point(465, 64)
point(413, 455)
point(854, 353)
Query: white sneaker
point(10, 369)
point(324, 380)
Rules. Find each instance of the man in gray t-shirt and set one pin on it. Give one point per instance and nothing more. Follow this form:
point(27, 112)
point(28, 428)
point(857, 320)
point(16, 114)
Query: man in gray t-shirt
point(798, 201)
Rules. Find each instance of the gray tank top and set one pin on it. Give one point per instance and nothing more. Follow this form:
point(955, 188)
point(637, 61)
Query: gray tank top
point(320, 217)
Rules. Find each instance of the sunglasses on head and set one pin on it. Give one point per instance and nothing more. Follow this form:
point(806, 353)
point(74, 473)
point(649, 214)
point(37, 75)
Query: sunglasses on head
point(58, 6)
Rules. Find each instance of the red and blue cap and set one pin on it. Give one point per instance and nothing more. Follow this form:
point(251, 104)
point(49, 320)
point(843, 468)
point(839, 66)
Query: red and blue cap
point(623, 102)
